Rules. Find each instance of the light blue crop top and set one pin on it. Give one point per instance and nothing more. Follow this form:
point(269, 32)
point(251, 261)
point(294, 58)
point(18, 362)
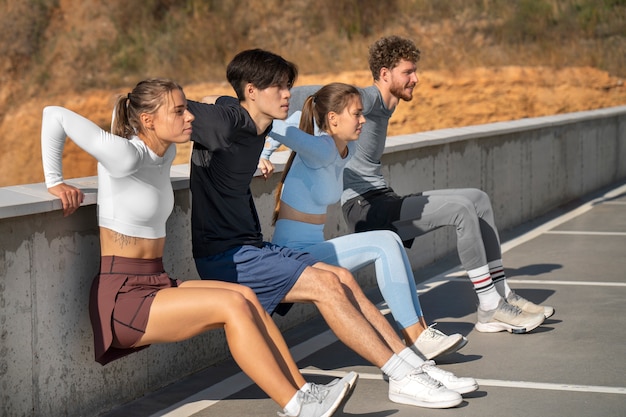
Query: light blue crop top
point(315, 179)
point(135, 195)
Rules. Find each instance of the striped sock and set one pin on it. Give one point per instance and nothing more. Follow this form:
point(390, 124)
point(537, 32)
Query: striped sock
point(499, 278)
point(488, 297)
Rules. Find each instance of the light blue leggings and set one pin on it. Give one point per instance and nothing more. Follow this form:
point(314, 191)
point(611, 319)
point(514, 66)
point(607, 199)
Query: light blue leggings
point(354, 251)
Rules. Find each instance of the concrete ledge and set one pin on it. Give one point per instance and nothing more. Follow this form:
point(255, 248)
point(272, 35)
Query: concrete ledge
point(47, 261)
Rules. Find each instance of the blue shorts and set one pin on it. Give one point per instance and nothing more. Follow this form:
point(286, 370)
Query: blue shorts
point(270, 271)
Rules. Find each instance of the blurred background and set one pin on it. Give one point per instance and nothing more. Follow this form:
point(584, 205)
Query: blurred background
point(482, 60)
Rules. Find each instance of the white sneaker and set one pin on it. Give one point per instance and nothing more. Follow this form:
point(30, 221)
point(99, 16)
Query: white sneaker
point(350, 379)
point(507, 317)
point(419, 389)
point(529, 306)
point(323, 403)
point(432, 343)
point(449, 380)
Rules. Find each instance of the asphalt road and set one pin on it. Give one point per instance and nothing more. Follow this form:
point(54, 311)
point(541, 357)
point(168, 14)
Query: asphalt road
point(573, 365)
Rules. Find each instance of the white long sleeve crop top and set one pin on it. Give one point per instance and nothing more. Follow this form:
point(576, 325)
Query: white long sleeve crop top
point(135, 195)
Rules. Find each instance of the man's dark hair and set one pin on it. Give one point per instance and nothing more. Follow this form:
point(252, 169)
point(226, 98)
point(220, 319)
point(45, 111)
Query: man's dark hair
point(260, 68)
point(387, 53)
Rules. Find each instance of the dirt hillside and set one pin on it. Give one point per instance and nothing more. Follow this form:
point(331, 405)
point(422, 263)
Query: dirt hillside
point(442, 100)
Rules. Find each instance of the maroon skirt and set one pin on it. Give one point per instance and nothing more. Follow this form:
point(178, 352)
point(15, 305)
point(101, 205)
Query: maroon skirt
point(119, 303)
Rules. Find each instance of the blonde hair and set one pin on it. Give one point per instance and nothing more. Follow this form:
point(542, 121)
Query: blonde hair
point(147, 97)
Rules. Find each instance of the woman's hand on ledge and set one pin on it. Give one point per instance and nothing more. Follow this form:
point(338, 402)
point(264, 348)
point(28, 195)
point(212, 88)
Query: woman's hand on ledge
point(71, 197)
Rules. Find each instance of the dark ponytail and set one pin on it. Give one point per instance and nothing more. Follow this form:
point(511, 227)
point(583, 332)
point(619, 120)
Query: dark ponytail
point(332, 97)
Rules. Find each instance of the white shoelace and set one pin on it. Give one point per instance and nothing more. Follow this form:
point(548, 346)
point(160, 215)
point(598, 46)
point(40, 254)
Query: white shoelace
point(422, 377)
point(434, 333)
point(430, 365)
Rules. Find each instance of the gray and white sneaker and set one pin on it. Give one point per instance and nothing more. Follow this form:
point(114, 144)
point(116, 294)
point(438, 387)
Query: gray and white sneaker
point(461, 385)
point(419, 389)
point(323, 403)
point(350, 378)
point(432, 343)
point(529, 306)
point(507, 317)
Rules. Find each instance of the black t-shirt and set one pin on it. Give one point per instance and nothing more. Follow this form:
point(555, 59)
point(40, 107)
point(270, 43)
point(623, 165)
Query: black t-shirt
point(224, 158)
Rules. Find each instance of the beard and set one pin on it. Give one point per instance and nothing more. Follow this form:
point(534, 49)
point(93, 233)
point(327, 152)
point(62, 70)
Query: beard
point(400, 92)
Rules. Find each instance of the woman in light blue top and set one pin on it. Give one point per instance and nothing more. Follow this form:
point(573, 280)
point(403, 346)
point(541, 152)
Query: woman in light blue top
point(313, 179)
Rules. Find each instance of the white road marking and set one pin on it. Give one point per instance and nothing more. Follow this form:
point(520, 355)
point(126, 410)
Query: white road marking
point(583, 233)
point(210, 396)
point(551, 386)
point(495, 383)
point(540, 282)
point(572, 283)
point(605, 199)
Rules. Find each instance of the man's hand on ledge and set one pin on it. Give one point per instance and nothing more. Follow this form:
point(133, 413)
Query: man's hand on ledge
point(71, 197)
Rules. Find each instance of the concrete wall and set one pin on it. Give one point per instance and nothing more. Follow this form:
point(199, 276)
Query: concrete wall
point(47, 261)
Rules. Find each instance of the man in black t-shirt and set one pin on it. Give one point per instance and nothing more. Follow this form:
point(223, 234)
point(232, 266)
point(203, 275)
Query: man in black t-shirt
point(228, 244)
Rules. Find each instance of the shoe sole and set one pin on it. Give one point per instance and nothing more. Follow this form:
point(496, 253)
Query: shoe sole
point(454, 348)
point(351, 385)
point(401, 399)
point(466, 389)
point(446, 350)
point(335, 406)
point(497, 326)
point(551, 314)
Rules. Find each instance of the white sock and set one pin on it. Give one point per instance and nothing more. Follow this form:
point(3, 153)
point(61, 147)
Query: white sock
point(499, 278)
point(306, 387)
point(488, 297)
point(293, 406)
point(396, 368)
point(411, 357)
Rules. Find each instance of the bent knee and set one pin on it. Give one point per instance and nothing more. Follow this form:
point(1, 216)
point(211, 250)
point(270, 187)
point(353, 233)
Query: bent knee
point(341, 286)
point(476, 196)
point(323, 282)
point(335, 277)
point(236, 301)
point(385, 238)
point(483, 202)
point(248, 294)
point(342, 277)
point(465, 207)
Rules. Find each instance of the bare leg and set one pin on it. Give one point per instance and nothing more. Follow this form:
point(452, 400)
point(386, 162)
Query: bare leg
point(411, 333)
point(273, 335)
point(180, 313)
point(323, 288)
point(367, 308)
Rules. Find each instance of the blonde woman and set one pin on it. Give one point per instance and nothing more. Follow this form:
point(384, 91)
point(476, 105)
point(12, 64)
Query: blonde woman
point(134, 302)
